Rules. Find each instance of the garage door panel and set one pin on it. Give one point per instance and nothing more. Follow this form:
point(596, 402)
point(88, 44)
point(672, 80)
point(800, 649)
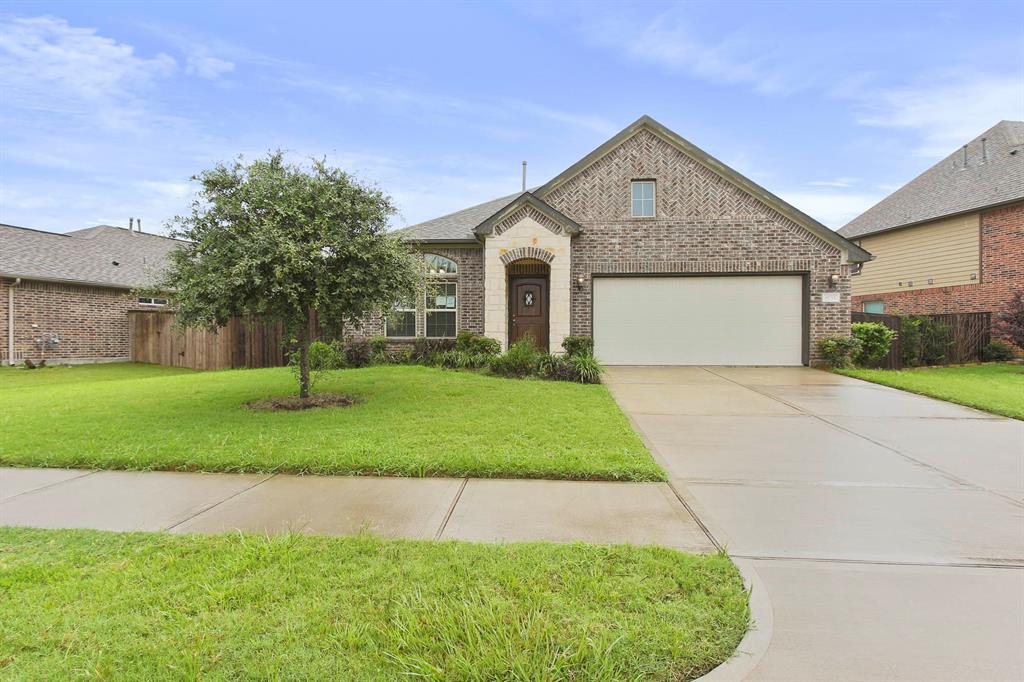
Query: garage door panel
point(750, 320)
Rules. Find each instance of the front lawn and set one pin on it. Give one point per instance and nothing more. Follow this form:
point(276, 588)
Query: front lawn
point(409, 421)
point(997, 388)
point(142, 606)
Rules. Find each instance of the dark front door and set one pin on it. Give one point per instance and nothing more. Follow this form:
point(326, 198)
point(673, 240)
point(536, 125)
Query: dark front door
point(528, 310)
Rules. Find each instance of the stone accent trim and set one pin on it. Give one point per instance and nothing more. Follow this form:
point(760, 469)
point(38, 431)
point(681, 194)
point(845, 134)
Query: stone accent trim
point(527, 252)
point(527, 212)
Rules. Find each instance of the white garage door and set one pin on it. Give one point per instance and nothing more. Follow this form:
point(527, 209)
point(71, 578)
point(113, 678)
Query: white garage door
point(755, 320)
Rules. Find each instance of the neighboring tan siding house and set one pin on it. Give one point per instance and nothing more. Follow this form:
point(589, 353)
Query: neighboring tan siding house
point(659, 251)
point(952, 239)
point(71, 292)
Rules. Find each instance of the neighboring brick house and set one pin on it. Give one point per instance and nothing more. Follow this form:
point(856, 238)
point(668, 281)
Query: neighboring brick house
point(952, 239)
point(659, 251)
point(65, 297)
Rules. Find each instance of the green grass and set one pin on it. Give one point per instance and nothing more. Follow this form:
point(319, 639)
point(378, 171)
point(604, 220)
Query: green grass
point(410, 421)
point(139, 606)
point(997, 388)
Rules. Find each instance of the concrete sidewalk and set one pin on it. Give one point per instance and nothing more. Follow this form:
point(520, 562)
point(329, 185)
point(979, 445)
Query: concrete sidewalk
point(426, 508)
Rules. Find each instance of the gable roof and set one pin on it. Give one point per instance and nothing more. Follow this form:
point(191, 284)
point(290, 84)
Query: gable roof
point(527, 199)
point(994, 175)
point(461, 226)
point(85, 256)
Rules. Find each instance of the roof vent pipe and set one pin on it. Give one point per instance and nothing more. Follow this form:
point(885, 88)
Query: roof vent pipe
point(131, 224)
point(965, 156)
point(524, 176)
point(138, 225)
point(984, 150)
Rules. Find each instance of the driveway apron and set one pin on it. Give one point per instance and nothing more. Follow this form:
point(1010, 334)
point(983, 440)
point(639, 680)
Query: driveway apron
point(887, 528)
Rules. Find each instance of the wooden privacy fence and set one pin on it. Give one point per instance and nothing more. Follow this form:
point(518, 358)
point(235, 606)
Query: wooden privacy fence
point(243, 342)
point(969, 333)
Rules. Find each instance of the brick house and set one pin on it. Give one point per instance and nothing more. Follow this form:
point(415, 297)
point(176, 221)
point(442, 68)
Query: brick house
point(65, 297)
point(952, 239)
point(659, 251)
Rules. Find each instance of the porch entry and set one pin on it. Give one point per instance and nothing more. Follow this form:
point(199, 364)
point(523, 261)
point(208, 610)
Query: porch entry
point(528, 309)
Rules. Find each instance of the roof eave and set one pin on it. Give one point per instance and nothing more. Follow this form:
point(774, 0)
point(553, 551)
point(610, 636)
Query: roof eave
point(486, 228)
point(944, 216)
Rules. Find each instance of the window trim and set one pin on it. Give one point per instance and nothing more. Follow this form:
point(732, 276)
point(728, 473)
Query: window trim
point(402, 307)
point(654, 197)
point(151, 301)
point(427, 309)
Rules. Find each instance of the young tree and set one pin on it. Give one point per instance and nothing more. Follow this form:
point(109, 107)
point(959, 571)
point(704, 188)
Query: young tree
point(1010, 322)
point(279, 241)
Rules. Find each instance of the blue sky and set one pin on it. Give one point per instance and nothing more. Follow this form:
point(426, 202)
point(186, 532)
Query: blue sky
point(106, 109)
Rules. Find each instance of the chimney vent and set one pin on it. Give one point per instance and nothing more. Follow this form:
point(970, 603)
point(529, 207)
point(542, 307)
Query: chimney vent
point(965, 156)
point(131, 224)
point(524, 176)
point(138, 225)
point(984, 150)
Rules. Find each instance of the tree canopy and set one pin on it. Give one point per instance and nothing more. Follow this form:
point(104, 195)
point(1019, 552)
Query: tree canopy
point(279, 241)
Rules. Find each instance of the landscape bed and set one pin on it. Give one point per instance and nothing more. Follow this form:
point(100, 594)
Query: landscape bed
point(156, 606)
point(406, 421)
point(997, 388)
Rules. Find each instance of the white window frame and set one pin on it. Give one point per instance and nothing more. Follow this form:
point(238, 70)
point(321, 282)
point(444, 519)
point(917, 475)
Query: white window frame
point(428, 308)
point(403, 307)
point(155, 301)
point(654, 198)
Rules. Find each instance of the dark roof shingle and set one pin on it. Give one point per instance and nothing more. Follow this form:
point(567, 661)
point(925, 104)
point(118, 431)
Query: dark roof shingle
point(85, 256)
point(949, 188)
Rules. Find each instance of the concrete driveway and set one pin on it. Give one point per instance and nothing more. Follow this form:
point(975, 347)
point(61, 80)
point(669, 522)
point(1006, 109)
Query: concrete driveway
point(887, 529)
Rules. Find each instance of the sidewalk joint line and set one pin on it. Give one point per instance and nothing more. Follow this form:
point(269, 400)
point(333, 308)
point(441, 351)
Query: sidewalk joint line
point(54, 484)
point(451, 509)
point(220, 502)
point(881, 562)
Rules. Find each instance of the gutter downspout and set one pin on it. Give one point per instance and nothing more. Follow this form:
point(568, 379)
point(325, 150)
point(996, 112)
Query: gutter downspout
point(10, 320)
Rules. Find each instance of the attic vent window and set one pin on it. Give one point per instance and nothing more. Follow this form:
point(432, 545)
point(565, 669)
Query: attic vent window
point(642, 196)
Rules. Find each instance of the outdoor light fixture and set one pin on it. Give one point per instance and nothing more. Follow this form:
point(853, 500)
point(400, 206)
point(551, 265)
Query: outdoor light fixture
point(833, 280)
point(580, 281)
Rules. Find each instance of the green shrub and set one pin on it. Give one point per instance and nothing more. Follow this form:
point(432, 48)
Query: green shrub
point(323, 356)
point(379, 350)
point(520, 360)
point(423, 348)
point(468, 342)
point(875, 341)
point(839, 351)
point(997, 351)
point(459, 359)
point(924, 341)
point(556, 368)
point(578, 345)
point(401, 356)
point(587, 369)
point(358, 353)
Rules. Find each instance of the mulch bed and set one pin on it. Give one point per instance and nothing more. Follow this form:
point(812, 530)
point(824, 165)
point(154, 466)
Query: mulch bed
point(294, 402)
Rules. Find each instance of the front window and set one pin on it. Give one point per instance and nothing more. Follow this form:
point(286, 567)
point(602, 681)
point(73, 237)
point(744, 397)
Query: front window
point(642, 198)
point(877, 307)
point(402, 322)
point(149, 300)
point(439, 266)
point(441, 309)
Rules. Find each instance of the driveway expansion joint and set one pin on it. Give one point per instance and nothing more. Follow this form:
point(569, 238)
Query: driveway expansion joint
point(219, 503)
point(451, 509)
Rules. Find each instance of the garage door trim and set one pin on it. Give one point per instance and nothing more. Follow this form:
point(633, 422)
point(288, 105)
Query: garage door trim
point(805, 312)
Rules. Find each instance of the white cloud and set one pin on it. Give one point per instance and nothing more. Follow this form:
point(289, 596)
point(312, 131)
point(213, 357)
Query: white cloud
point(838, 182)
point(834, 209)
point(205, 66)
point(944, 111)
point(48, 65)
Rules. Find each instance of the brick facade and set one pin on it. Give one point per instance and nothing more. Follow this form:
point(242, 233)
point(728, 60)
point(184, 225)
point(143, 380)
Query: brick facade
point(704, 224)
point(470, 305)
point(1002, 271)
point(91, 322)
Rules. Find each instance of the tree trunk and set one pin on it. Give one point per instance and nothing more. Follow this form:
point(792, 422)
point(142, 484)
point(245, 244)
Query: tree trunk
point(304, 360)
